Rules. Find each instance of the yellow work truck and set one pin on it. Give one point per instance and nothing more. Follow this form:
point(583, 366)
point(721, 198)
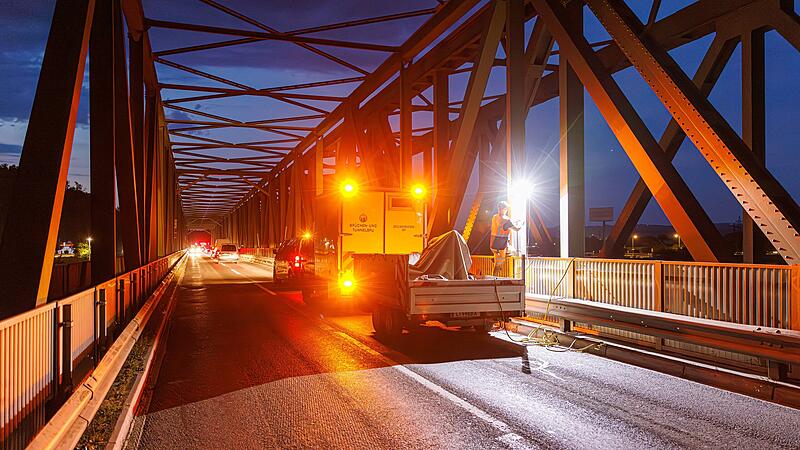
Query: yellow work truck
point(349, 221)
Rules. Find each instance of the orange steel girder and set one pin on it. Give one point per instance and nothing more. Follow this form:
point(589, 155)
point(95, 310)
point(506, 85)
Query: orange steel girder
point(754, 187)
point(701, 237)
point(35, 207)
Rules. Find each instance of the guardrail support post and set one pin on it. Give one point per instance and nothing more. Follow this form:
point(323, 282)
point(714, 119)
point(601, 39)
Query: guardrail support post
point(66, 350)
point(776, 370)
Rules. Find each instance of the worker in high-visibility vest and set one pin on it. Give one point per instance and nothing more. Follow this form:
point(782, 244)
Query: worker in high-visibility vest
point(501, 233)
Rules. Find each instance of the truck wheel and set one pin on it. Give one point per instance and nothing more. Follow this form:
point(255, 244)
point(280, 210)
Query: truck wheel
point(378, 322)
point(394, 322)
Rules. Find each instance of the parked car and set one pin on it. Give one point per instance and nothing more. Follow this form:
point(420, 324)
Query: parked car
point(228, 253)
point(306, 264)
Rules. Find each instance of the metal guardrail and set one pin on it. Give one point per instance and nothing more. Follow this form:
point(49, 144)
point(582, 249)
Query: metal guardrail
point(43, 351)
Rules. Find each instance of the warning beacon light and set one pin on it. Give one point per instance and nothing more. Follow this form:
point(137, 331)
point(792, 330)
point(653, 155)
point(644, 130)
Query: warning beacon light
point(348, 188)
point(418, 191)
point(346, 283)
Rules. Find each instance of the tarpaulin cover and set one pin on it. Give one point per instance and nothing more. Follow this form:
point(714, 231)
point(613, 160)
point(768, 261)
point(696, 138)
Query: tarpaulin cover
point(446, 255)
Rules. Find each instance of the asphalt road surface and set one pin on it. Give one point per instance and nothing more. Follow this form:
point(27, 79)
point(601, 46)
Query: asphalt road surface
point(248, 367)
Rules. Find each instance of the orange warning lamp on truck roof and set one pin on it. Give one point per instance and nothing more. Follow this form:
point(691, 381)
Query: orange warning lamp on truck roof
point(418, 191)
point(349, 188)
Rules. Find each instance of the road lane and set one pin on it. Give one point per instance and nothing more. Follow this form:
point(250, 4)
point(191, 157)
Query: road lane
point(248, 368)
point(244, 370)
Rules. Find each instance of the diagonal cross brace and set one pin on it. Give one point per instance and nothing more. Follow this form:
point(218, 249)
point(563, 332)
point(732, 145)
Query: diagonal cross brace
point(753, 186)
point(683, 210)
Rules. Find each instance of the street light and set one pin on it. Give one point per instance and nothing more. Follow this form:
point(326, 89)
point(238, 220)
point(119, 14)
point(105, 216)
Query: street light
point(89, 240)
point(678, 237)
point(633, 241)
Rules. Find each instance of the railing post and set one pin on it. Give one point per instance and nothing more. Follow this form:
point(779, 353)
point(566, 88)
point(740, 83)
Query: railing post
point(570, 279)
point(121, 302)
point(658, 294)
point(134, 300)
point(101, 321)
point(66, 350)
point(658, 286)
point(794, 306)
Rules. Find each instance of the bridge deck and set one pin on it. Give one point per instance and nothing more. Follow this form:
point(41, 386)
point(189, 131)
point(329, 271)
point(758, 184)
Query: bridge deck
point(248, 367)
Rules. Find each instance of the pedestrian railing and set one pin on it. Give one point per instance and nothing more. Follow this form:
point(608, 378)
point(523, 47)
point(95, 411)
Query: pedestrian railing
point(46, 351)
point(745, 294)
point(483, 265)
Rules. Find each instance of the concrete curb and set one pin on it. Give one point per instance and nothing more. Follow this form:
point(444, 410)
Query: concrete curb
point(124, 421)
point(730, 380)
point(66, 427)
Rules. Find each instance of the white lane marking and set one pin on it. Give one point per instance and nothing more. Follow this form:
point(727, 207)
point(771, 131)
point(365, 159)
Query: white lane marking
point(509, 438)
point(235, 271)
point(262, 287)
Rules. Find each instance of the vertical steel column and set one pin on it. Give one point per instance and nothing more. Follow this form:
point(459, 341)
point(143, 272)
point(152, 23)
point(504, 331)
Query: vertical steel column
point(102, 142)
point(319, 156)
point(516, 111)
point(150, 174)
point(34, 212)
point(137, 109)
point(124, 158)
point(571, 162)
point(441, 131)
point(406, 126)
point(753, 129)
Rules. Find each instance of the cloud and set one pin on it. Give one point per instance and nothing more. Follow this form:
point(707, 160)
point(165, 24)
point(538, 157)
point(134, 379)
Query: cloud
point(10, 149)
point(12, 135)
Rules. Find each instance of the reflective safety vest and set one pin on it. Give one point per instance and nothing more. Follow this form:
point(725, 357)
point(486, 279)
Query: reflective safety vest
point(499, 227)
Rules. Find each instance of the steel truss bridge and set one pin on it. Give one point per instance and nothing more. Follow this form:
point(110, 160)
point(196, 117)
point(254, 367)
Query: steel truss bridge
point(169, 176)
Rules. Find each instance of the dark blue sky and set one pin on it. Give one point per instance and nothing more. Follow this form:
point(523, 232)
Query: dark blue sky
point(610, 175)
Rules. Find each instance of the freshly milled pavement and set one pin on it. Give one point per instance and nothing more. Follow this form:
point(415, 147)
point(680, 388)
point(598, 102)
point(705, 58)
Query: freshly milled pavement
point(248, 367)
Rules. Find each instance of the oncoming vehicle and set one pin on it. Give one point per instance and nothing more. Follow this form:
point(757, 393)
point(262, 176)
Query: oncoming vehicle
point(228, 253)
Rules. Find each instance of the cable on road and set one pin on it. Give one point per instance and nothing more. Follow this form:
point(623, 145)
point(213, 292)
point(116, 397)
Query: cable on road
point(548, 338)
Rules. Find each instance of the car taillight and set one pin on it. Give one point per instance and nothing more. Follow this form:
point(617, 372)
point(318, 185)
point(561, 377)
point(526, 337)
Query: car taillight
point(298, 261)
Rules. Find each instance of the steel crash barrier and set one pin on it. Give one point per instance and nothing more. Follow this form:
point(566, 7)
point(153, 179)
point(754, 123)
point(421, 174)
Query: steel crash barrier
point(741, 315)
point(46, 352)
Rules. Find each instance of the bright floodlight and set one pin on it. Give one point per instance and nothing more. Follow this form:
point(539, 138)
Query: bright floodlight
point(307, 235)
point(521, 188)
point(348, 188)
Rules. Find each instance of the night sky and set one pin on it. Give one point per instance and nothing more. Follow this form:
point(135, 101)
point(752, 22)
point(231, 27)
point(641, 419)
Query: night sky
point(609, 174)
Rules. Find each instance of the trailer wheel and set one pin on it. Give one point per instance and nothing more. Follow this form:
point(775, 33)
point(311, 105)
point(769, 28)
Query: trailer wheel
point(486, 327)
